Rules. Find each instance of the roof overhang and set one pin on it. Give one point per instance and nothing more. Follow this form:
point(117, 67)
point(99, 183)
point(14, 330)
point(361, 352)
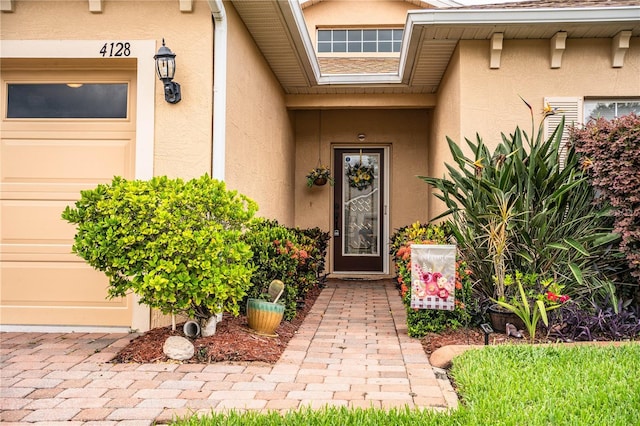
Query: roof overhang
point(431, 35)
point(430, 38)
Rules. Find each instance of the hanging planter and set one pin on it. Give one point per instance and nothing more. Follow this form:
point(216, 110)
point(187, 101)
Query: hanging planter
point(359, 175)
point(320, 181)
point(319, 176)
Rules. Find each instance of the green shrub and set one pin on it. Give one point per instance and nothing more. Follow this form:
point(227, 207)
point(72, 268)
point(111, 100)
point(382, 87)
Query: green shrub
point(317, 255)
point(176, 244)
point(611, 156)
point(289, 254)
point(422, 321)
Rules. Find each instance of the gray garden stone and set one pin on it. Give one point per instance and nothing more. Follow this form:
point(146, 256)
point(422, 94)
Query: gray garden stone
point(179, 348)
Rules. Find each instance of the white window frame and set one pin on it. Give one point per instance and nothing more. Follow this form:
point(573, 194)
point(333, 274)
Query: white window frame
point(395, 38)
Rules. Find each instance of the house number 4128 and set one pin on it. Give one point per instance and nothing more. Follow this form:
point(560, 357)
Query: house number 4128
point(116, 49)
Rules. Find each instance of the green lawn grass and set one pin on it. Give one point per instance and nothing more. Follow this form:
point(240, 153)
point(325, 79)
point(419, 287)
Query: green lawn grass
point(501, 385)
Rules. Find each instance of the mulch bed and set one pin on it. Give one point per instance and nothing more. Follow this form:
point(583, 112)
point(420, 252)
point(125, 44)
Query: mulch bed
point(460, 336)
point(471, 336)
point(233, 341)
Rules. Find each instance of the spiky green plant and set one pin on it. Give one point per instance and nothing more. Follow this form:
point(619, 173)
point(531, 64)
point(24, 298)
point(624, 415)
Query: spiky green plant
point(519, 208)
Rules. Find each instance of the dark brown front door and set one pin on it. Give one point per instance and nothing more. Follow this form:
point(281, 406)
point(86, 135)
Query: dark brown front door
point(358, 210)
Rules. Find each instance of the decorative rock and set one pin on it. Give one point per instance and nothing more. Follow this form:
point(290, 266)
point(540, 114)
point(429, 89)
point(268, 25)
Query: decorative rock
point(513, 331)
point(440, 373)
point(177, 347)
point(210, 326)
point(442, 357)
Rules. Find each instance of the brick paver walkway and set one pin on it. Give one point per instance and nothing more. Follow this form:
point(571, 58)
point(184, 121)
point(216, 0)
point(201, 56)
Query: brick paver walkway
point(352, 350)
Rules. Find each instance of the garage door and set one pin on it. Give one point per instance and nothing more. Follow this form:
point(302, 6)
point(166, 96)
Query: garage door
point(62, 132)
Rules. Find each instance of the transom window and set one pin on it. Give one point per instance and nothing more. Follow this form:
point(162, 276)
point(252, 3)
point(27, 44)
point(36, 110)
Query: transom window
point(363, 40)
point(72, 100)
point(609, 109)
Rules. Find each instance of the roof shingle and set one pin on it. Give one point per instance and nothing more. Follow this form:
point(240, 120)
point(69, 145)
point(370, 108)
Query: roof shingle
point(552, 4)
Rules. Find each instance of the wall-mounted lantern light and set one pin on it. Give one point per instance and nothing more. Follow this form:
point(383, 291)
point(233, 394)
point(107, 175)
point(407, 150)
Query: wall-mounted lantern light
point(166, 69)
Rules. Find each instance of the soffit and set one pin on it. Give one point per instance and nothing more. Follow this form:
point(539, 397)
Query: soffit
point(431, 37)
point(266, 21)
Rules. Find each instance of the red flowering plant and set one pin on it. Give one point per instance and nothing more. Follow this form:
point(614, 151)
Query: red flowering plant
point(422, 321)
point(293, 256)
point(536, 296)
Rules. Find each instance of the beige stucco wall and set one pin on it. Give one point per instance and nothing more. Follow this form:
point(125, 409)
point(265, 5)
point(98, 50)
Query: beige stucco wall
point(445, 123)
point(260, 149)
point(182, 145)
point(476, 99)
point(404, 131)
point(490, 100)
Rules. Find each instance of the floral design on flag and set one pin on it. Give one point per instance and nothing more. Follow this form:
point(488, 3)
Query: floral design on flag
point(433, 276)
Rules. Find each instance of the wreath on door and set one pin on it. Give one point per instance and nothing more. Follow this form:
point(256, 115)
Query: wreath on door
point(360, 176)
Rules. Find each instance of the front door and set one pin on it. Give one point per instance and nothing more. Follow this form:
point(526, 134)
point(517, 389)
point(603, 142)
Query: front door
point(358, 218)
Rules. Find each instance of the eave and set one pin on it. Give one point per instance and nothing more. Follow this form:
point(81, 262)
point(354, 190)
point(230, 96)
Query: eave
point(430, 39)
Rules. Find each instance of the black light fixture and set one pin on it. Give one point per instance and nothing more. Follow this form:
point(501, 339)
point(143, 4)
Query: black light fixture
point(166, 69)
point(487, 330)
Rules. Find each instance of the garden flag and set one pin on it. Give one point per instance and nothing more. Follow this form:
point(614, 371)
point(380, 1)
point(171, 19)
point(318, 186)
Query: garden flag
point(433, 276)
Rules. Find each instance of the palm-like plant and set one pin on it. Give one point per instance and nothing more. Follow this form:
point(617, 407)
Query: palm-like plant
point(520, 208)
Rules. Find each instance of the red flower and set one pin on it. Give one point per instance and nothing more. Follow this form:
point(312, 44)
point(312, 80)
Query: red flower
point(564, 298)
point(443, 293)
point(404, 289)
point(552, 296)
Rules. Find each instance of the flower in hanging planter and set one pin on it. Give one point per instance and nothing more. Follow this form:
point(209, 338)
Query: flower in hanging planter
point(319, 176)
point(360, 175)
